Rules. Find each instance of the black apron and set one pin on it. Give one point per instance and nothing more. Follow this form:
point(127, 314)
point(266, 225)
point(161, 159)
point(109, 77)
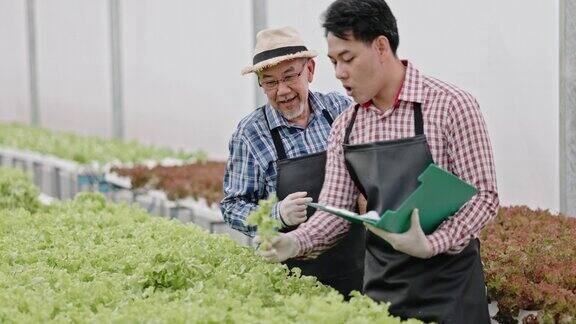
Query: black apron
point(443, 289)
point(342, 266)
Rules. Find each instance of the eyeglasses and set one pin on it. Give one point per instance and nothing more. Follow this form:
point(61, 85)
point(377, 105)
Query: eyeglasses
point(289, 79)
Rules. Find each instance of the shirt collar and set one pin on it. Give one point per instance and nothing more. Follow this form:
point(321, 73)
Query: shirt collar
point(275, 118)
point(412, 88)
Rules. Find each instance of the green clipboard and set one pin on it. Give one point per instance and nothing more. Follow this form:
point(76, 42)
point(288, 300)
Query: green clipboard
point(439, 195)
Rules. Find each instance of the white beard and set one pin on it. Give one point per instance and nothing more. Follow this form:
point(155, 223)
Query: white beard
point(293, 114)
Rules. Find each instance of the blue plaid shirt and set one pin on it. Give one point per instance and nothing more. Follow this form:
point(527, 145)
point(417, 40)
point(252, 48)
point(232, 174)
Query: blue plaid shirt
point(251, 168)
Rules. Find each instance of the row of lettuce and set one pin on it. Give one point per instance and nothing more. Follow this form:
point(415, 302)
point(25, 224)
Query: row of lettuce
point(530, 263)
point(188, 174)
point(83, 149)
point(194, 180)
point(529, 256)
point(89, 260)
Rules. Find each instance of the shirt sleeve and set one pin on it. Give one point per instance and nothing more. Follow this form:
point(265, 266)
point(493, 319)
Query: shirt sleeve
point(324, 230)
point(470, 154)
point(243, 187)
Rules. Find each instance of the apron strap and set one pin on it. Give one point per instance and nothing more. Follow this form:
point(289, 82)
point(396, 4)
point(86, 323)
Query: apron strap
point(418, 121)
point(275, 137)
point(327, 117)
point(276, 133)
point(351, 124)
point(278, 144)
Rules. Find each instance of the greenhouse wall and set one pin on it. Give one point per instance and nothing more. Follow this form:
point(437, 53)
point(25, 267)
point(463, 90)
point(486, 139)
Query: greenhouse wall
point(182, 87)
point(73, 55)
point(14, 92)
point(182, 62)
point(504, 53)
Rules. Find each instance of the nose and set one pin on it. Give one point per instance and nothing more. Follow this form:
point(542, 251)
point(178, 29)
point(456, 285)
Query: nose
point(340, 72)
point(283, 89)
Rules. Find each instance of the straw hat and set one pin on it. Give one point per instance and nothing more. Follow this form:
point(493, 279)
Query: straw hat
point(275, 45)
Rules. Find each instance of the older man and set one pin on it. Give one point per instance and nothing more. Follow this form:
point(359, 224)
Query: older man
point(280, 148)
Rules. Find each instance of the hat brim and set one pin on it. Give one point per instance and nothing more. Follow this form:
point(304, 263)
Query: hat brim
point(274, 61)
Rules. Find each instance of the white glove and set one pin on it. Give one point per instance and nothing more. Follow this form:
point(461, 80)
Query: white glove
point(293, 208)
point(413, 242)
point(284, 247)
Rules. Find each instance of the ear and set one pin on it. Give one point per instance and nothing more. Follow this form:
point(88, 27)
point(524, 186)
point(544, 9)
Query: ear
point(382, 47)
point(311, 65)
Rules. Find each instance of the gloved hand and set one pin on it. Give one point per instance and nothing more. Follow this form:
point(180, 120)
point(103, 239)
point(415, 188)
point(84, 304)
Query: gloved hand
point(413, 242)
point(283, 248)
point(293, 208)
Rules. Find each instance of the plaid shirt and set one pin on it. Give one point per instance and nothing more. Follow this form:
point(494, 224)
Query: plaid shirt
point(457, 139)
point(251, 168)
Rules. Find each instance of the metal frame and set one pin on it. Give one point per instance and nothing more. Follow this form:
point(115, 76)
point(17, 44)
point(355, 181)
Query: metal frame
point(32, 62)
point(567, 113)
point(259, 22)
point(116, 70)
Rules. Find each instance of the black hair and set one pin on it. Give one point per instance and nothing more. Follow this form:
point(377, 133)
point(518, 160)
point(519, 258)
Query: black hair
point(363, 19)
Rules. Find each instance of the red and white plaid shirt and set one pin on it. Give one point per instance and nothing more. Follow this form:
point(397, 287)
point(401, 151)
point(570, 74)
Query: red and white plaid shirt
point(457, 139)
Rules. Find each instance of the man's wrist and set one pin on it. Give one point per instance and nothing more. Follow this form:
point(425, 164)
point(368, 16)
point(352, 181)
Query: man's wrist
point(436, 243)
point(299, 247)
point(276, 215)
point(296, 251)
point(284, 225)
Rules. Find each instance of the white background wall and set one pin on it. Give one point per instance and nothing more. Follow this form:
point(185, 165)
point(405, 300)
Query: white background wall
point(14, 94)
point(182, 62)
point(504, 52)
point(73, 66)
point(183, 88)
